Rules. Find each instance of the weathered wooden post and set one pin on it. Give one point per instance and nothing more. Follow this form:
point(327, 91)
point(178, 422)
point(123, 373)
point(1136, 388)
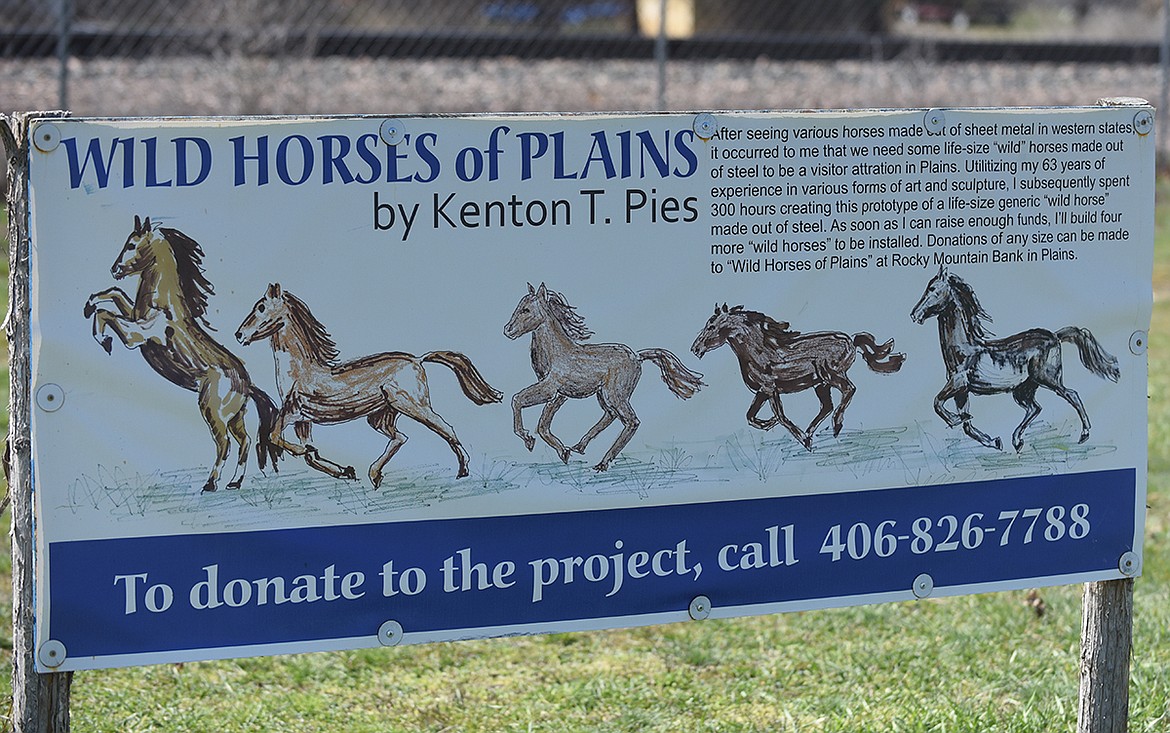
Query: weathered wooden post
point(1106, 642)
point(40, 702)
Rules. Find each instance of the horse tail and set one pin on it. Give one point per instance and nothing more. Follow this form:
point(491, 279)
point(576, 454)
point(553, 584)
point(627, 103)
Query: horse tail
point(470, 380)
point(682, 381)
point(266, 409)
point(1095, 358)
point(878, 357)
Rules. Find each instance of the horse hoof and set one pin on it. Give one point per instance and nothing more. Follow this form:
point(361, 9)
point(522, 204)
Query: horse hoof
point(1084, 437)
point(208, 487)
point(376, 479)
point(108, 345)
point(89, 310)
point(529, 442)
point(564, 454)
point(1018, 445)
point(463, 473)
point(349, 473)
point(998, 445)
point(579, 449)
point(234, 484)
point(603, 466)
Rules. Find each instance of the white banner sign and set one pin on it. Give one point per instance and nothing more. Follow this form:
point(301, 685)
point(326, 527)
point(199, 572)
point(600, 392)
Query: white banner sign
point(329, 383)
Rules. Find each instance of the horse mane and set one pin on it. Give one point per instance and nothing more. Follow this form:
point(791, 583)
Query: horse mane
point(320, 344)
point(189, 260)
point(566, 315)
point(776, 334)
point(974, 317)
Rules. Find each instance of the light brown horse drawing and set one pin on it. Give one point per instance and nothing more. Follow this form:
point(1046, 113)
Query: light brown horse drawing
point(567, 369)
point(317, 388)
point(166, 322)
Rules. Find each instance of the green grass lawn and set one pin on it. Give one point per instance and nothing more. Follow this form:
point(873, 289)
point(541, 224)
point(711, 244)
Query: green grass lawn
point(977, 663)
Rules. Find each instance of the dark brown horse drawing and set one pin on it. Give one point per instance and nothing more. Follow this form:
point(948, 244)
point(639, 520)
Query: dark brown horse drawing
point(166, 322)
point(774, 360)
point(1021, 363)
point(567, 369)
point(317, 388)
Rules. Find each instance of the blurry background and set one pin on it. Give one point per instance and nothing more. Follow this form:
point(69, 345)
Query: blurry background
point(185, 57)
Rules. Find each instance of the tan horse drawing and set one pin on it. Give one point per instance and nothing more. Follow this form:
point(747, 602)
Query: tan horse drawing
point(567, 369)
point(317, 388)
point(166, 322)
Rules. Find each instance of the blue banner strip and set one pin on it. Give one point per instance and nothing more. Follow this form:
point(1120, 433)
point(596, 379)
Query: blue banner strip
point(206, 591)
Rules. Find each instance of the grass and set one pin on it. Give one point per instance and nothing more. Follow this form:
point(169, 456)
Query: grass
point(977, 663)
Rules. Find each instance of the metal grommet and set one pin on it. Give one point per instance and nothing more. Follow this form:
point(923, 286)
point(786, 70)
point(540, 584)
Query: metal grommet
point(923, 586)
point(51, 654)
point(934, 120)
point(390, 633)
point(700, 608)
point(46, 137)
point(50, 397)
point(392, 132)
point(1129, 564)
point(705, 125)
point(1137, 343)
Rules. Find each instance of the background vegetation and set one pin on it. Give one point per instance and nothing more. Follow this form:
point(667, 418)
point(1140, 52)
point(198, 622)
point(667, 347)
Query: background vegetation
point(997, 662)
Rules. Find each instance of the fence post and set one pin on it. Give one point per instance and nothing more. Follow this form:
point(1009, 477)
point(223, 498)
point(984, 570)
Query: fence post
point(64, 40)
point(1106, 642)
point(40, 702)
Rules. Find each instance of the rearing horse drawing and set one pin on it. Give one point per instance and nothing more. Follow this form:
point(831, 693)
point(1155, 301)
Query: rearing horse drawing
point(774, 360)
point(978, 364)
point(567, 369)
point(166, 321)
point(317, 388)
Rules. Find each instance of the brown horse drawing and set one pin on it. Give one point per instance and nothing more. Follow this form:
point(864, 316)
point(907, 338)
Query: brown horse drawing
point(1020, 364)
point(567, 369)
point(317, 388)
point(774, 360)
point(166, 322)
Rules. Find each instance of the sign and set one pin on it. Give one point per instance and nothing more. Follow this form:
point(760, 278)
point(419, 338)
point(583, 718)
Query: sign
point(329, 383)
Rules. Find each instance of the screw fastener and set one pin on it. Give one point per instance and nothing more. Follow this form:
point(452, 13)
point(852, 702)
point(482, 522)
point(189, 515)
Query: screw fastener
point(50, 397)
point(392, 132)
point(700, 608)
point(705, 125)
point(1137, 343)
point(934, 120)
point(51, 654)
point(1129, 564)
point(47, 137)
point(1143, 122)
point(923, 586)
point(390, 633)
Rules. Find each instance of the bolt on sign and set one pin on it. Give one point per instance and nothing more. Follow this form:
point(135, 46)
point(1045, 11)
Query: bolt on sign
point(326, 383)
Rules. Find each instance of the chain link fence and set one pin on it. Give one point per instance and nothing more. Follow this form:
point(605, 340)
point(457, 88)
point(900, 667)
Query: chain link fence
point(133, 57)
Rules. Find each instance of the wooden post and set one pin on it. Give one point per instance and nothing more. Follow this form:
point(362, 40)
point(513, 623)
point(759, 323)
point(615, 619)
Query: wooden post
point(1106, 643)
point(40, 702)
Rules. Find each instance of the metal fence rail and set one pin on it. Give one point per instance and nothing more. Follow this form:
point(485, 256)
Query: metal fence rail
point(86, 39)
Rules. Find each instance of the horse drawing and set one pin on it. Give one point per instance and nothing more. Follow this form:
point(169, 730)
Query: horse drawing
point(567, 368)
point(774, 360)
point(166, 321)
point(978, 364)
point(318, 388)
